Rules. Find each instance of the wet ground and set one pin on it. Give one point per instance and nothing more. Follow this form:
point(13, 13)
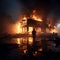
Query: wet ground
point(23, 49)
point(13, 52)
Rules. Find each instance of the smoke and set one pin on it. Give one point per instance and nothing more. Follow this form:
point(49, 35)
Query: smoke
point(10, 10)
point(11, 7)
point(6, 23)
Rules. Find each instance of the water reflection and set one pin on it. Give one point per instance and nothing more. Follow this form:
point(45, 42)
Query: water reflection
point(30, 40)
point(18, 40)
point(25, 40)
point(26, 43)
point(35, 53)
point(40, 49)
point(25, 51)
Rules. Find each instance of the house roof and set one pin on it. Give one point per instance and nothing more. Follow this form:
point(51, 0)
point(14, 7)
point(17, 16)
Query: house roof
point(33, 23)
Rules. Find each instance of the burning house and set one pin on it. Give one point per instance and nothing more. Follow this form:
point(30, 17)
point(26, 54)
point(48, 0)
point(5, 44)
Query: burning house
point(29, 24)
point(34, 21)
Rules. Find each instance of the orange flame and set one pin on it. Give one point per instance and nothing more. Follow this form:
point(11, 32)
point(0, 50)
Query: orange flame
point(35, 16)
point(18, 27)
point(24, 18)
point(54, 30)
point(30, 30)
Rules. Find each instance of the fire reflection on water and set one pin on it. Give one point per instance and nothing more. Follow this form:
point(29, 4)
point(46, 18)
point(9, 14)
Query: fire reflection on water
point(18, 40)
point(30, 40)
point(22, 43)
point(25, 40)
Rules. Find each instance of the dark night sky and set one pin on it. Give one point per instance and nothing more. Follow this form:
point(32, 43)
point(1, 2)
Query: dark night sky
point(16, 7)
point(11, 7)
point(42, 4)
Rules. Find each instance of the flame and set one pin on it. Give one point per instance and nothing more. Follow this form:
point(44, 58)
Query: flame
point(16, 28)
point(54, 30)
point(24, 18)
point(19, 28)
point(35, 16)
point(30, 30)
